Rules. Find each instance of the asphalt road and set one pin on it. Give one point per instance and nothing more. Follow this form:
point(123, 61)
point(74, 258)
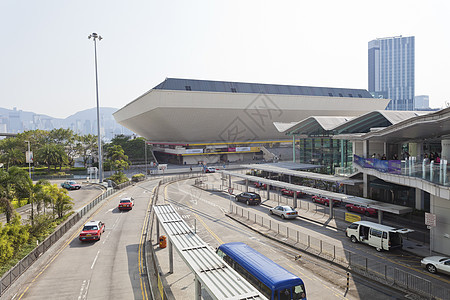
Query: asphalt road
point(80, 198)
point(106, 269)
point(205, 211)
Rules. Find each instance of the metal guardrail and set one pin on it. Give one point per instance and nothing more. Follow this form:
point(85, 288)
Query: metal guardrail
point(362, 265)
point(15, 272)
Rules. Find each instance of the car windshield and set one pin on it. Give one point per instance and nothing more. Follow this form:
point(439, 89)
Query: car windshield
point(124, 201)
point(71, 182)
point(90, 227)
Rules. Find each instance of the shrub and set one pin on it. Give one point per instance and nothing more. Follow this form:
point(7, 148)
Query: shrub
point(138, 177)
point(118, 178)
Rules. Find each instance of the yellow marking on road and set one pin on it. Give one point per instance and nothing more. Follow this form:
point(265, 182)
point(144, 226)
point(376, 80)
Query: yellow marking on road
point(64, 246)
point(140, 251)
point(166, 196)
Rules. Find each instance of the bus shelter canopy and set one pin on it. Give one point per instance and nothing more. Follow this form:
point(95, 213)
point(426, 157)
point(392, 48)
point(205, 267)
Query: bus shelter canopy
point(286, 171)
point(382, 206)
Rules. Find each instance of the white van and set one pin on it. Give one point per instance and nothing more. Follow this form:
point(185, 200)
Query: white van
point(379, 236)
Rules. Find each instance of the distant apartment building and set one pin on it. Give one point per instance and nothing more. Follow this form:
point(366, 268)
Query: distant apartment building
point(15, 122)
point(421, 102)
point(391, 71)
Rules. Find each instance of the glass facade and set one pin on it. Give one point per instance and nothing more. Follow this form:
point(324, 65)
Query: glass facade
point(391, 70)
point(326, 152)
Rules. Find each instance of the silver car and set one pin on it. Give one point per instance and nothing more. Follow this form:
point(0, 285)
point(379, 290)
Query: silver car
point(435, 264)
point(284, 211)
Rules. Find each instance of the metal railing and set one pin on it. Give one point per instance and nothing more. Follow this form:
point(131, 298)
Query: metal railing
point(360, 264)
point(15, 272)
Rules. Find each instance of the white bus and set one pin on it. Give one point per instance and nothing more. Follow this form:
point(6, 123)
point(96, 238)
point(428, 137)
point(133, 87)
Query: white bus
point(381, 237)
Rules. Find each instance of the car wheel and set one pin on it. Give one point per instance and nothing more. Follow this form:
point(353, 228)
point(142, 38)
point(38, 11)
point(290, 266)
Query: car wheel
point(353, 239)
point(378, 249)
point(314, 200)
point(431, 268)
point(248, 202)
point(326, 203)
point(270, 212)
point(283, 217)
point(367, 214)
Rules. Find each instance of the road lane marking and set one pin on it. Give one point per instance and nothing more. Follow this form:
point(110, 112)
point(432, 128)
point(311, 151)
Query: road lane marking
point(64, 246)
point(140, 251)
point(84, 289)
point(95, 259)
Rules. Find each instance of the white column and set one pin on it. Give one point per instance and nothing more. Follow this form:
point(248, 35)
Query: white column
point(419, 199)
point(445, 152)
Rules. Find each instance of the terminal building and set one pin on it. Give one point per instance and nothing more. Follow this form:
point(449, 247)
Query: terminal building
point(191, 121)
point(346, 131)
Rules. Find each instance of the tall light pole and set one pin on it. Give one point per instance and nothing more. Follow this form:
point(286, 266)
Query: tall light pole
point(29, 158)
point(95, 36)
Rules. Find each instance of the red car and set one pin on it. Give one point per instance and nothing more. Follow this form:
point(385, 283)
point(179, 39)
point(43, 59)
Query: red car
point(260, 185)
point(362, 209)
point(325, 201)
point(92, 231)
point(290, 193)
point(126, 203)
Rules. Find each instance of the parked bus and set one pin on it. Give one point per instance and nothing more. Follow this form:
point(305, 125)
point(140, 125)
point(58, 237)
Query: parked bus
point(381, 237)
point(269, 278)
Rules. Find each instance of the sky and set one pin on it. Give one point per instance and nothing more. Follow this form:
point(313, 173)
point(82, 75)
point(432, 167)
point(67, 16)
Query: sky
point(47, 60)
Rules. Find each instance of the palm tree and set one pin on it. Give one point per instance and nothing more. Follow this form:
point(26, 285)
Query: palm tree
point(13, 185)
point(13, 157)
point(47, 154)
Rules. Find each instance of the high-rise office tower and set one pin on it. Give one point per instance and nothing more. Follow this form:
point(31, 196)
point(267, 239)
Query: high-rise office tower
point(391, 71)
point(422, 102)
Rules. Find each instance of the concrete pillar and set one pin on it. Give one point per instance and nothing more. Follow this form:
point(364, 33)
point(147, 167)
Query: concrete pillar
point(229, 180)
point(419, 199)
point(365, 185)
point(290, 179)
point(365, 149)
point(198, 289)
point(268, 192)
point(157, 230)
point(293, 148)
point(170, 257)
point(342, 154)
point(445, 152)
point(295, 199)
point(385, 151)
point(380, 217)
point(331, 209)
point(246, 185)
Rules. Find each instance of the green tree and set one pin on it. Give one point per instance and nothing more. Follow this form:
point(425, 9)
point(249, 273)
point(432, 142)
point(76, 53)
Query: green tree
point(63, 203)
point(13, 185)
point(13, 157)
point(51, 154)
point(87, 146)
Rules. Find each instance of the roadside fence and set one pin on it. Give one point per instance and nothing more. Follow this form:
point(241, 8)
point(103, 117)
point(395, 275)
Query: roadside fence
point(362, 265)
point(15, 272)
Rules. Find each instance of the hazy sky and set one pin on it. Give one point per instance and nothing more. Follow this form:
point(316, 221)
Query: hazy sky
point(47, 61)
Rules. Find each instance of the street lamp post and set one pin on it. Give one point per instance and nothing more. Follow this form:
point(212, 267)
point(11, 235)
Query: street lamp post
point(29, 158)
point(95, 36)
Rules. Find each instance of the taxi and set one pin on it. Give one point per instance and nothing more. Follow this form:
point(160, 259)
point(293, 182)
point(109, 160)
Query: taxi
point(92, 231)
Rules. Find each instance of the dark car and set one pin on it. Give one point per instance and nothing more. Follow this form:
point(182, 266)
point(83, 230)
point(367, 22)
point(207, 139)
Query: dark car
point(249, 198)
point(71, 185)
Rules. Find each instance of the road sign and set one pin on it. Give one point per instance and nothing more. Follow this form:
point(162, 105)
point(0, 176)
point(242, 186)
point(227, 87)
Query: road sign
point(230, 191)
point(430, 219)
